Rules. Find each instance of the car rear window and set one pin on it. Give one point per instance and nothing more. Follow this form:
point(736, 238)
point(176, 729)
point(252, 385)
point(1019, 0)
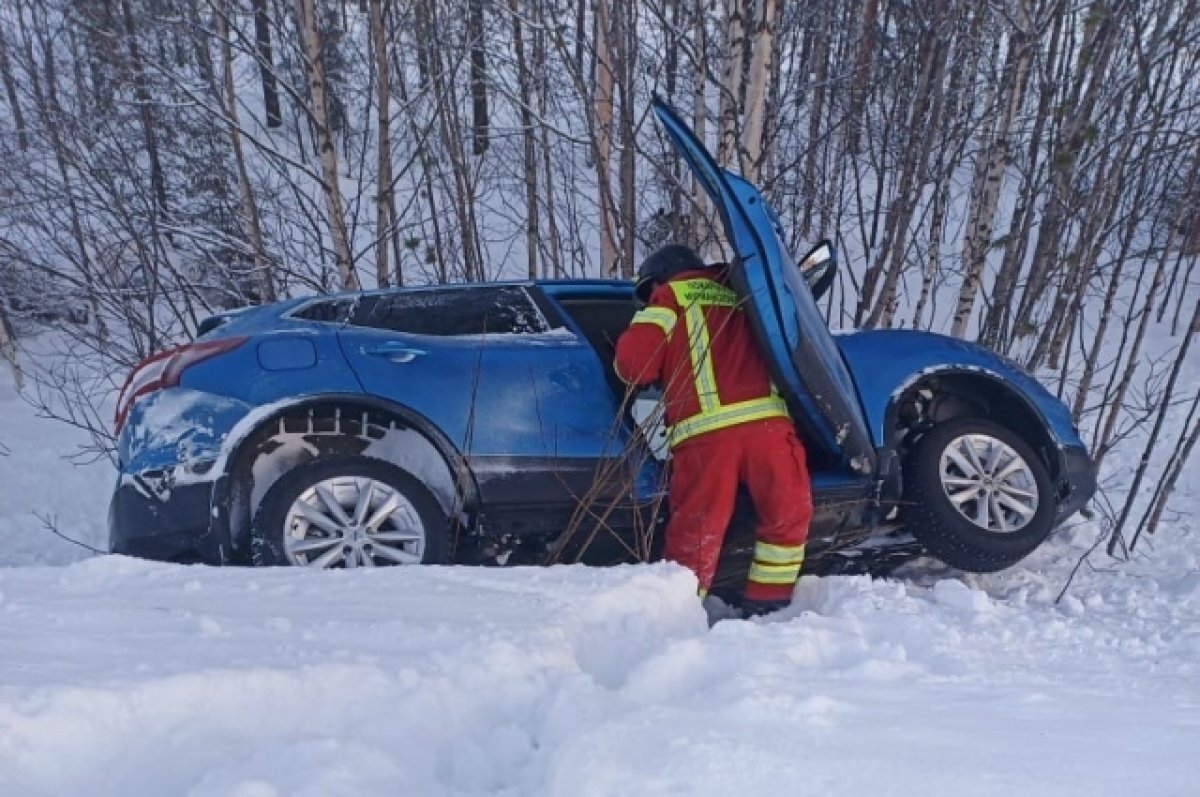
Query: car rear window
point(333, 311)
point(489, 310)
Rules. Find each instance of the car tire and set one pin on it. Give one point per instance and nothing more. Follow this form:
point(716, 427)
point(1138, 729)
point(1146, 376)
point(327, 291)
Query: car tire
point(952, 529)
point(298, 524)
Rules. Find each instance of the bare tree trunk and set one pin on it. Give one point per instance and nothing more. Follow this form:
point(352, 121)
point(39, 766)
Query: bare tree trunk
point(539, 70)
point(816, 116)
point(989, 173)
point(266, 65)
point(1164, 407)
point(937, 223)
point(423, 33)
point(626, 37)
point(700, 117)
point(580, 34)
point(1079, 263)
point(479, 96)
point(310, 36)
point(762, 49)
point(1107, 190)
point(862, 74)
point(1091, 65)
point(527, 138)
point(1110, 297)
point(1190, 244)
point(10, 89)
point(1117, 402)
point(250, 214)
point(385, 202)
point(924, 116)
point(995, 323)
point(50, 113)
point(732, 81)
point(8, 349)
point(435, 253)
point(450, 124)
point(604, 125)
point(672, 18)
point(1175, 465)
point(145, 109)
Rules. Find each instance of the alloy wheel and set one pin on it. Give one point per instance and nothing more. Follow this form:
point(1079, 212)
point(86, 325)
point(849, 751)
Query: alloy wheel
point(989, 483)
point(353, 521)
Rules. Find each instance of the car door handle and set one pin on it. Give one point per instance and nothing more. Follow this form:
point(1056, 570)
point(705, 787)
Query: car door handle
point(396, 352)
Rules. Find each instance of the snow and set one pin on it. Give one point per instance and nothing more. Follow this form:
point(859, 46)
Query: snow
point(38, 481)
point(125, 677)
point(137, 678)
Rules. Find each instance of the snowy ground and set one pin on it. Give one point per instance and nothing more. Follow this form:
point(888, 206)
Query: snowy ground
point(120, 677)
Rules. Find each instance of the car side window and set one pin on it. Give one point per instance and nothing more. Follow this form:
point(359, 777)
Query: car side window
point(329, 311)
point(493, 310)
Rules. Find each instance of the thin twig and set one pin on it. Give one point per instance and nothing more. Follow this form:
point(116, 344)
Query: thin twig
point(1095, 544)
point(50, 525)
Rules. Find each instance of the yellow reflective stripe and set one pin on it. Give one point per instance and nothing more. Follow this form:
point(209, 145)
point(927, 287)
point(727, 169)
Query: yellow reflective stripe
point(694, 295)
point(774, 574)
point(728, 415)
point(767, 553)
point(700, 352)
point(661, 317)
point(792, 567)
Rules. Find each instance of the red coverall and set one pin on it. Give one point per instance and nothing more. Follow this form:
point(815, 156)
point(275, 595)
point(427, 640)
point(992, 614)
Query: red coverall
point(728, 427)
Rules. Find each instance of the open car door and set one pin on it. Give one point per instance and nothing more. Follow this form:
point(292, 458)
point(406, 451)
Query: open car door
point(802, 355)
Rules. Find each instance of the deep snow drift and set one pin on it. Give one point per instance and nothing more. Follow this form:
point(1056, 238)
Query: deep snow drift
point(120, 677)
point(131, 678)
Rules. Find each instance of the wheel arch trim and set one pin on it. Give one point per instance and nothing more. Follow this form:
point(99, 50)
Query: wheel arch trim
point(982, 382)
point(260, 418)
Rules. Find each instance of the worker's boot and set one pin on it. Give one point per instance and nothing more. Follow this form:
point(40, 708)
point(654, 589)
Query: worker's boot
point(759, 608)
point(718, 610)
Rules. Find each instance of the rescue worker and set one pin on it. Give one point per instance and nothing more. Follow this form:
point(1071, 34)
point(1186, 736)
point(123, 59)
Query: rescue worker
point(729, 426)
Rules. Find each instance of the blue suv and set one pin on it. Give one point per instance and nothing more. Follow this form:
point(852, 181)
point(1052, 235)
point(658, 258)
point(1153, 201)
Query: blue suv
point(484, 424)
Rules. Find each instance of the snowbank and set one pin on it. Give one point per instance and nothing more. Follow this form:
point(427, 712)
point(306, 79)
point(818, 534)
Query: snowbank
point(132, 678)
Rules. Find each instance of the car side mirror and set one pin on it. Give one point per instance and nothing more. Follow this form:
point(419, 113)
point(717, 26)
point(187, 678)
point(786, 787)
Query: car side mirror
point(818, 268)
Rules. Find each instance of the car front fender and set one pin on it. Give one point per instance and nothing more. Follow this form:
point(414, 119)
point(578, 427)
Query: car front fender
point(886, 363)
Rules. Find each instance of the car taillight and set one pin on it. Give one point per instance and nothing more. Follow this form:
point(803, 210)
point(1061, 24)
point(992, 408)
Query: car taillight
point(164, 370)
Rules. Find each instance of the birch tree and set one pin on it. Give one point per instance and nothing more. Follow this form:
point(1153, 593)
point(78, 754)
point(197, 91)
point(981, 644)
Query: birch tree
point(266, 63)
point(728, 151)
point(989, 168)
point(8, 349)
point(762, 55)
point(310, 38)
point(528, 140)
point(603, 121)
point(250, 213)
point(385, 203)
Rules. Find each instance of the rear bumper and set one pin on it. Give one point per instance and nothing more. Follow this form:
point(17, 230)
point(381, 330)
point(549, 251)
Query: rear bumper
point(172, 524)
point(1077, 482)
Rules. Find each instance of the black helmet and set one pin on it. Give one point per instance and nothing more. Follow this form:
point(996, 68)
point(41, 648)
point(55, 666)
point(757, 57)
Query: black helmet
point(662, 265)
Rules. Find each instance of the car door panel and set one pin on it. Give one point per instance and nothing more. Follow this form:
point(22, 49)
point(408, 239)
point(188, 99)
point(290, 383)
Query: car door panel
point(792, 334)
point(531, 413)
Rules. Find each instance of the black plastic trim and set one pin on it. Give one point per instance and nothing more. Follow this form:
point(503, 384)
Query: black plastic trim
point(170, 528)
point(1078, 479)
point(508, 481)
point(889, 416)
point(219, 526)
